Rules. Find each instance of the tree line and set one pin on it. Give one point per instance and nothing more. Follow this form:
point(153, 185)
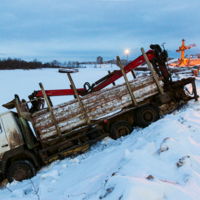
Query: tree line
point(21, 64)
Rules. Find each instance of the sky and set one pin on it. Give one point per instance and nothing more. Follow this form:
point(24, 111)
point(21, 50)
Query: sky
point(78, 30)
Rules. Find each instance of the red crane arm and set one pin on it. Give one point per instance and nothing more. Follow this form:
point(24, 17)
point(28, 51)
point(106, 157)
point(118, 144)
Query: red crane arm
point(118, 74)
point(103, 82)
point(60, 92)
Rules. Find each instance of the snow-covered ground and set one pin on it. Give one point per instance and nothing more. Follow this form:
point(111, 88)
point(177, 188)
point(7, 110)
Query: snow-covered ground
point(167, 152)
point(108, 65)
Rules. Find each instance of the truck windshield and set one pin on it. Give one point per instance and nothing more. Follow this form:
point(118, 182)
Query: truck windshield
point(30, 127)
point(18, 123)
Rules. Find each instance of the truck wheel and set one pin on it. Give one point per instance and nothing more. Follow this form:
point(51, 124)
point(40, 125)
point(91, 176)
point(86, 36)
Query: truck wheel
point(146, 115)
point(21, 170)
point(120, 128)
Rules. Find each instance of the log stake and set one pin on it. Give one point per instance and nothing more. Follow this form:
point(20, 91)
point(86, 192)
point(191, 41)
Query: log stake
point(133, 74)
point(152, 72)
point(127, 83)
point(50, 110)
point(78, 98)
point(194, 90)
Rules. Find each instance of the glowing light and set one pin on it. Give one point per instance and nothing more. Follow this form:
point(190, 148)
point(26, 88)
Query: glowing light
point(127, 51)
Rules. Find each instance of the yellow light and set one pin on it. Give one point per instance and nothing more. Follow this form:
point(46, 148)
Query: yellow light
point(126, 51)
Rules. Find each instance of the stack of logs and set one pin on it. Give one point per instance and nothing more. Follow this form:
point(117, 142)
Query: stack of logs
point(69, 115)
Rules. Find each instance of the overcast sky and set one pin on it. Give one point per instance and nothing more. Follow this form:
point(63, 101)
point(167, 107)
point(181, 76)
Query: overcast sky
point(84, 29)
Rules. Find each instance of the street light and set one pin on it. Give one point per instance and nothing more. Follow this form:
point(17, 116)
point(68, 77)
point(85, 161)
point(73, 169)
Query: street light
point(127, 52)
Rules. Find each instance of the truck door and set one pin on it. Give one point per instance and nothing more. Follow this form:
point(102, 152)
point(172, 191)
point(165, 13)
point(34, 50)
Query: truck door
point(3, 140)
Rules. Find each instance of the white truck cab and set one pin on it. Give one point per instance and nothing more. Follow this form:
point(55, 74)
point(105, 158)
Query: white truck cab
point(10, 133)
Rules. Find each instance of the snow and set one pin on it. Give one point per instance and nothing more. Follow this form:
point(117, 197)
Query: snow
point(108, 65)
point(159, 162)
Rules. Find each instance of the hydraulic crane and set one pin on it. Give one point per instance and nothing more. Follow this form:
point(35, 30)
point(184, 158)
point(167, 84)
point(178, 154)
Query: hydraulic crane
point(155, 55)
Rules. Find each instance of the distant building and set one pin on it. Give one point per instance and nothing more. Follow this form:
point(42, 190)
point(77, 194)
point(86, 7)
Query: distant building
point(99, 60)
point(124, 62)
point(111, 61)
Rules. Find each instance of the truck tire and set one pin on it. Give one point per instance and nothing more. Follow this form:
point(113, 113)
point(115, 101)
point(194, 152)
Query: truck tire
point(120, 128)
point(146, 115)
point(21, 170)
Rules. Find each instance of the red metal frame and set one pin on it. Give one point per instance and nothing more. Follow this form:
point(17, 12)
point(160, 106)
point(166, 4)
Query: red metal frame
point(115, 75)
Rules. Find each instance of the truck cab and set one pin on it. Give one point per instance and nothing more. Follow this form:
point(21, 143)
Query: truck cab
point(14, 154)
point(10, 133)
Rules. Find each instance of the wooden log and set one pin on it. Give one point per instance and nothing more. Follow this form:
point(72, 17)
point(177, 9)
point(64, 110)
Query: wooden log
point(98, 104)
point(134, 83)
point(73, 110)
point(60, 118)
point(95, 98)
point(78, 120)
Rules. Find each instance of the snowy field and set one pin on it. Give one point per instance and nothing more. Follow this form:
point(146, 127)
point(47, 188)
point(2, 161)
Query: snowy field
point(167, 152)
point(106, 66)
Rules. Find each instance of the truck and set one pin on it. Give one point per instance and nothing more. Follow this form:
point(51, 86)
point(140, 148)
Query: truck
point(33, 137)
